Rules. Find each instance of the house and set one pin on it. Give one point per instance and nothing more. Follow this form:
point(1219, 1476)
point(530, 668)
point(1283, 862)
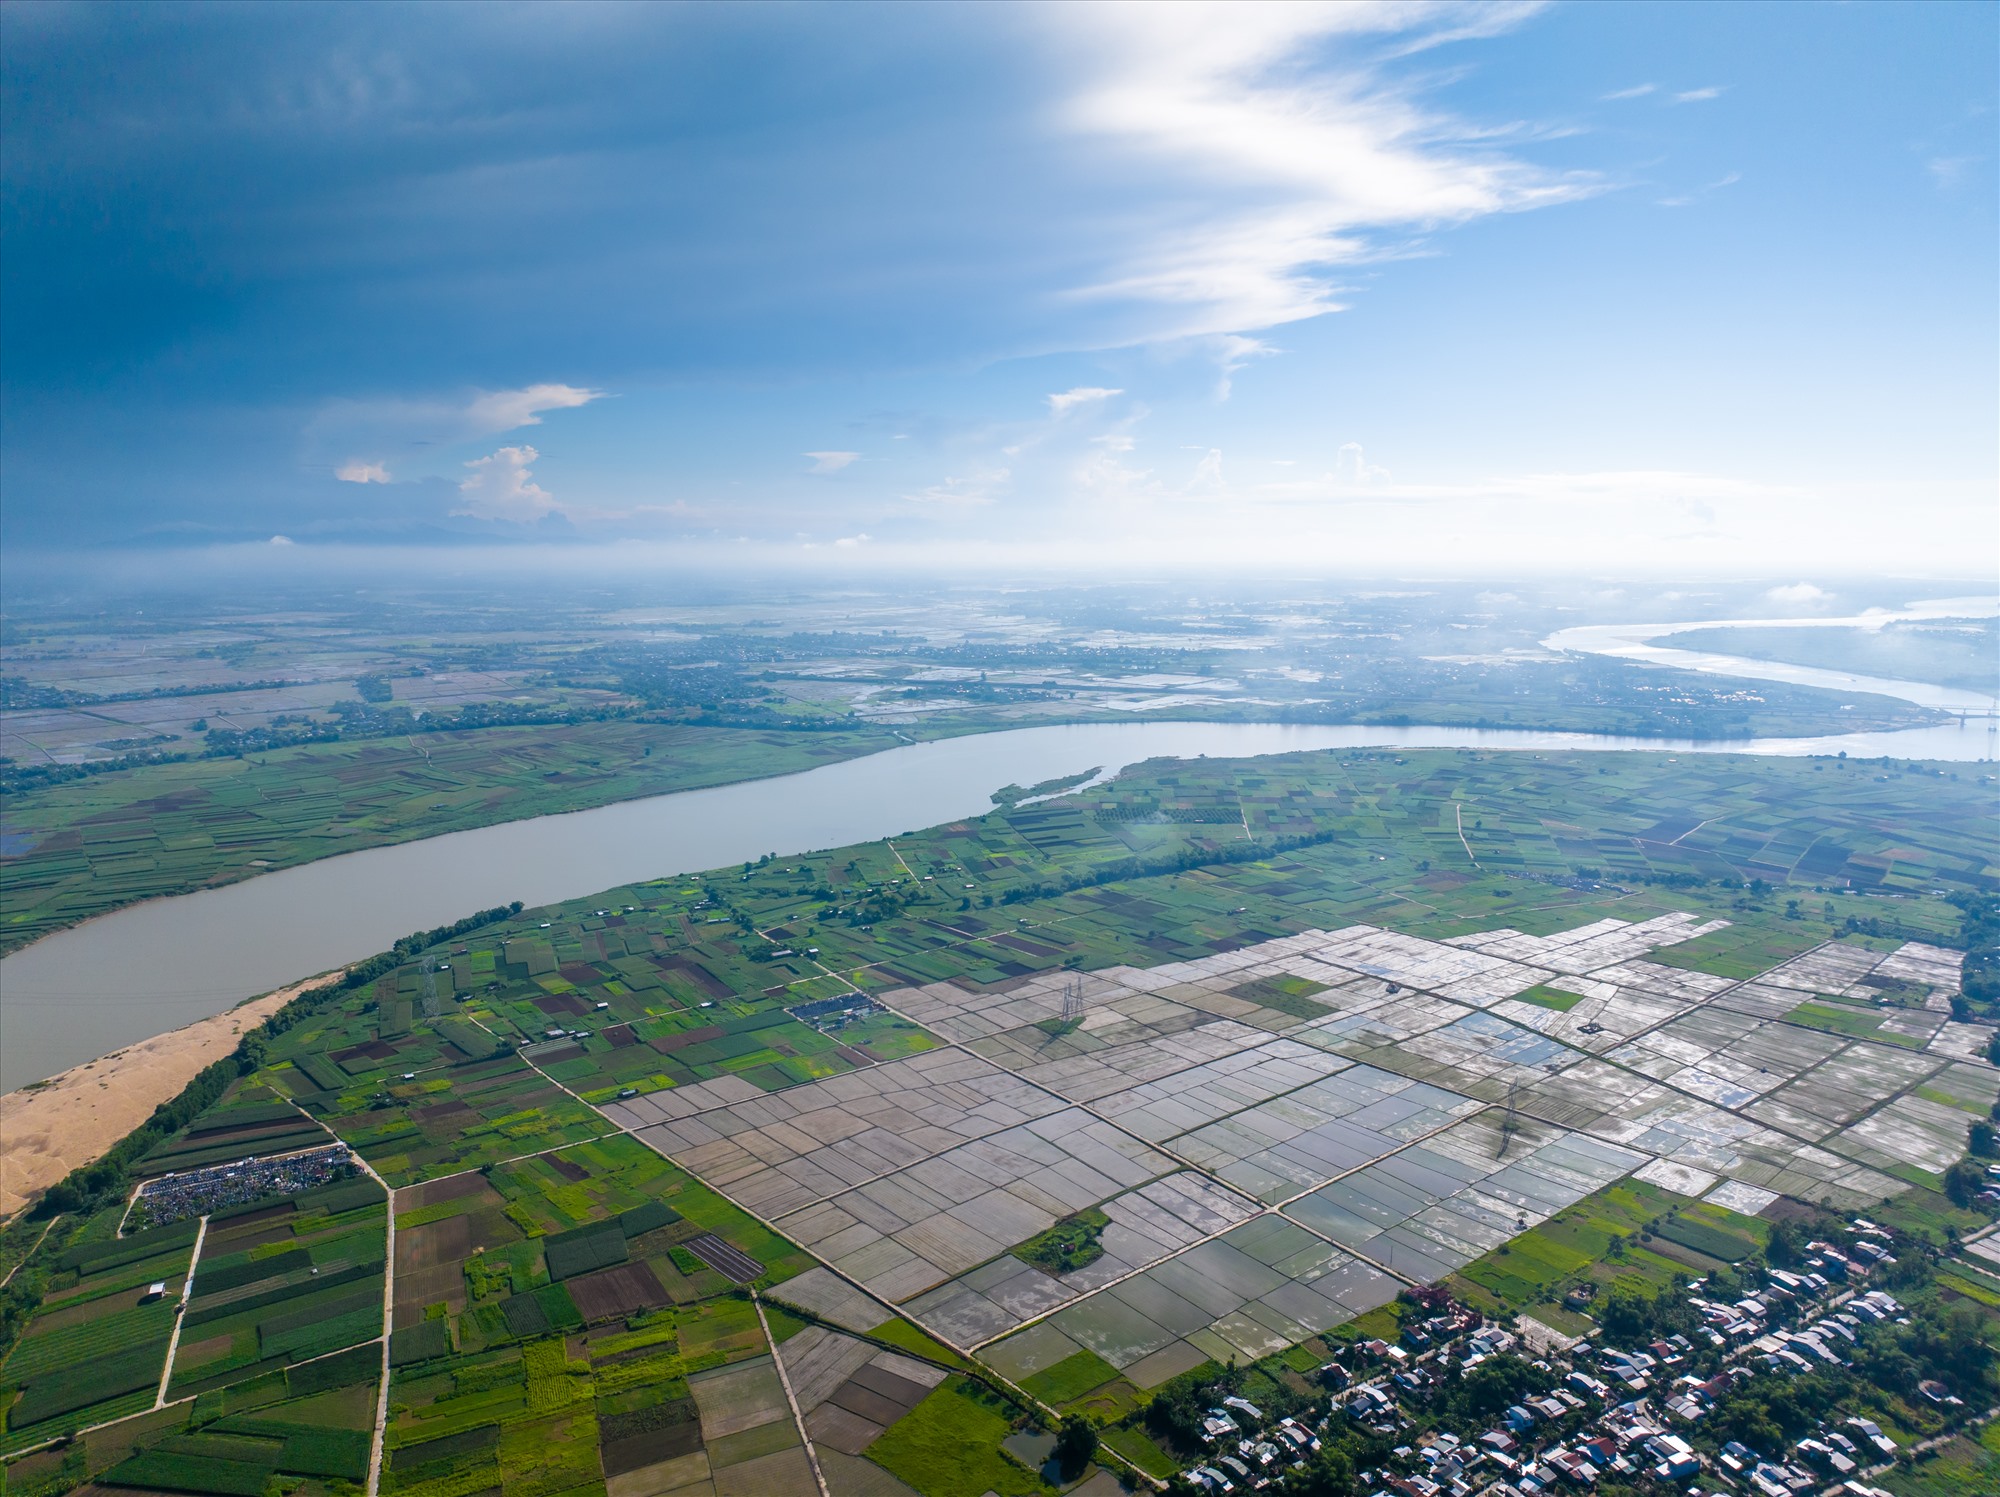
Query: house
point(1371, 1403)
point(1674, 1459)
point(1871, 1433)
point(1600, 1451)
point(1686, 1407)
point(1573, 1466)
point(1217, 1426)
point(1737, 1457)
point(1821, 1454)
point(1584, 1383)
point(1491, 1342)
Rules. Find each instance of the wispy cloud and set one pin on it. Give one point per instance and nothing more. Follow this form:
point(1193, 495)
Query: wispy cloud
point(1352, 479)
point(1948, 171)
point(979, 487)
point(408, 425)
point(503, 487)
point(1698, 95)
point(1068, 400)
point(830, 462)
point(493, 411)
point(1637, 91)
point(1315, 160)
point(1232, 352)
point(1689, 199)
point(1351, 466)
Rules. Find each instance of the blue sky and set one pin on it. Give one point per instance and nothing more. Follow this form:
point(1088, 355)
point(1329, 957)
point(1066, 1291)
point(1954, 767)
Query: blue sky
point(1421, 288)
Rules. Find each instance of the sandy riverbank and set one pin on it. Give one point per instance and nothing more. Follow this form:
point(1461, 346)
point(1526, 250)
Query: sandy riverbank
point(48, 1130)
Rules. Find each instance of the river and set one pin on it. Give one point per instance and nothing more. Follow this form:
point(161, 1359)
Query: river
point(1634, 642)
point(141, 971)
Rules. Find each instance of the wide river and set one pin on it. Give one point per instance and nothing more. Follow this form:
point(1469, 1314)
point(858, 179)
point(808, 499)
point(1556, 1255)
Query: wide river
point(153, 967)
point(1635, 642)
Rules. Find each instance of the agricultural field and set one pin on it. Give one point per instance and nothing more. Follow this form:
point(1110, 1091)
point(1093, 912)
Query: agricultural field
point(87, 846)
point(263, 1305)
point(852, 1161)
point(165, 752)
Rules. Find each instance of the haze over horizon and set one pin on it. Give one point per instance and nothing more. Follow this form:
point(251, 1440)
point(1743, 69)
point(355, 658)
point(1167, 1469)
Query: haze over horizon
point(1422, 288)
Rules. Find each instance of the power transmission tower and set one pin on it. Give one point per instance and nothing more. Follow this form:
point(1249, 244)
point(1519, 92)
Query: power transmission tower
point(1072, 999)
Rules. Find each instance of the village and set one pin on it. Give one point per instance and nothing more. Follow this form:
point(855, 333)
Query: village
point(1635, 1415)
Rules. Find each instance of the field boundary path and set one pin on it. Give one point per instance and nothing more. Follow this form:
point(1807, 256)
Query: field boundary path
point(180, 1313)
point(388, 1298)
point(31, 1251)
point(388, 1330)
point(785, 1382)
point(1458, 819)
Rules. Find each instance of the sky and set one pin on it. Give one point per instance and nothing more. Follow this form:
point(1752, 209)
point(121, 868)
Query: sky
point(1417, 288)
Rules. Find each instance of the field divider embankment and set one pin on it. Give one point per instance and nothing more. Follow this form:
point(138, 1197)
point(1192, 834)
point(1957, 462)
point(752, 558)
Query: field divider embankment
point(791, 1399)
point(44, 1237)
point(381, 1429)
point(180, 1312)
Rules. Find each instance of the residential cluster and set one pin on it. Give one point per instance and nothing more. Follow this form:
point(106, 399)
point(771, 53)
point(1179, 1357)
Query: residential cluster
point(1609, 1413)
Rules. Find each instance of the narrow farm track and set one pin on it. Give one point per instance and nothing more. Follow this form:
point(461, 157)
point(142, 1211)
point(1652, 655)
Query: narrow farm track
point(180, 1315)
point(791, 1399)
point(388, 1329)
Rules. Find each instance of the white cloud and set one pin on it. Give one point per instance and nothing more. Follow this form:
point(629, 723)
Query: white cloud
point(1351, 466)
point(1310, 157)
point(982, 486)
point(1697, 95)
point(1069, 400)
point(503, 487)
point(1638, 91)
point(1799, 595)
point(493, 411)
point(1594, 491)
point(851, 541)
point(406, 428)
point(1232, 352)
point(281, 540)
point(830, 462)
point(1948, 171)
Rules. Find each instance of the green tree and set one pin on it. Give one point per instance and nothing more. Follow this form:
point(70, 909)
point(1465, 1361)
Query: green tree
point(1962, 1182)
point(1076, 1443)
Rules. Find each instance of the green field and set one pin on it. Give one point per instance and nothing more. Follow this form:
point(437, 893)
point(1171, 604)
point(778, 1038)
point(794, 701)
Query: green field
point(557, 1306)
point(1610, 1241)
point(115, 839)
point(1070, 1244)
point(949, 1447)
